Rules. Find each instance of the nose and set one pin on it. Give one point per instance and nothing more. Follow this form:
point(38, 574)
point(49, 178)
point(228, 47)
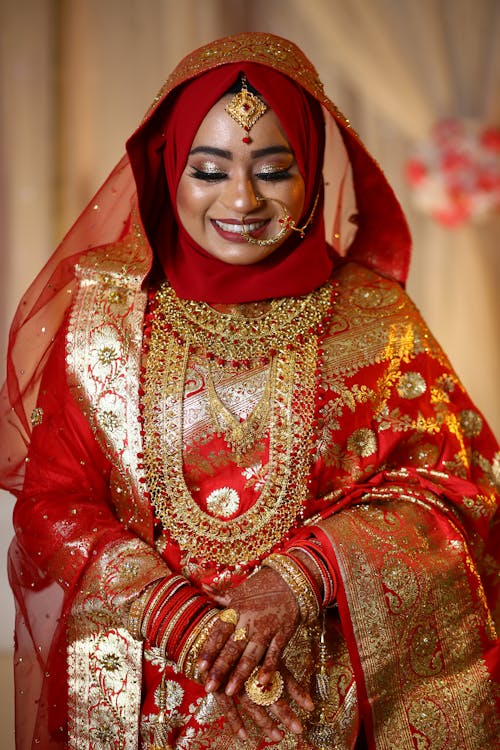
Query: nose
point(240, 195)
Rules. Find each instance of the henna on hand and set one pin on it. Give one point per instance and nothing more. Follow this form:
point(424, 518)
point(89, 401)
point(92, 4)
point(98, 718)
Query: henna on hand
point(269, 612)
point(267, 720)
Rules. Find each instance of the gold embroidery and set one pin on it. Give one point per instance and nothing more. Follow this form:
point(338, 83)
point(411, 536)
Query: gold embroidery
point(104, 660)
point(36, 416)
point(428, 701)
point(103, 353)
point(223, 502)
point(491, 470)
point(263, 48)
point(104, 681)
point(471, 423)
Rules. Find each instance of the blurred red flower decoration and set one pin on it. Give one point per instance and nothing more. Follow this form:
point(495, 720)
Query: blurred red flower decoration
point(455, 174)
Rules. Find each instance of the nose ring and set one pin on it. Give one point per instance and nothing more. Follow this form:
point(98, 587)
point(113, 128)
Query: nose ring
point(287, 223)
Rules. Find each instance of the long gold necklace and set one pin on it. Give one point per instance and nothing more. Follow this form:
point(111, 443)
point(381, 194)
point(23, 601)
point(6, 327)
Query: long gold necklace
point(176, 331)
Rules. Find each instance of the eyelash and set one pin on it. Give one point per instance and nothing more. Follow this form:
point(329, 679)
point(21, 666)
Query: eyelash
point(277, 176)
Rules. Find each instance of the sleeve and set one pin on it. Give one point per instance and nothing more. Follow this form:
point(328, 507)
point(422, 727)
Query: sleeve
point(74, 570)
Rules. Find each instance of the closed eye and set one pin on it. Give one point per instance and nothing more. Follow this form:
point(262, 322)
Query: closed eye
point(274, 175)
point(207, 176)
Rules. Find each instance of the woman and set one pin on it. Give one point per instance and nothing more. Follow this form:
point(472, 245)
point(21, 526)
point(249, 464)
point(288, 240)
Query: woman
point(255, 505)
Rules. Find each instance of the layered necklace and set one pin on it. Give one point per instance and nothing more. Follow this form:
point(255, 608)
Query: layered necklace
point(286, 337)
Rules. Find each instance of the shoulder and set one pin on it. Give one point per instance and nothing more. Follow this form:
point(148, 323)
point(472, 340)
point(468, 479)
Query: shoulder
point(364, 291)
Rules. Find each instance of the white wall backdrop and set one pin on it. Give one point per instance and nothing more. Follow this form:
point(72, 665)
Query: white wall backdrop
point(77, 75)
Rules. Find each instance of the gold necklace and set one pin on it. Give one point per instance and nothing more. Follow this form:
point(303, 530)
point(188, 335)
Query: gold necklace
point(239, 339)
point(254, 533)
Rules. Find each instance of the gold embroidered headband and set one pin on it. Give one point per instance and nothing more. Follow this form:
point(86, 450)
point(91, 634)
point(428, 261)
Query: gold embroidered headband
point(246, 108)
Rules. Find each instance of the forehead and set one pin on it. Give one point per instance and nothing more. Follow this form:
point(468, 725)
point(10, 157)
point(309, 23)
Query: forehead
point(219, 129)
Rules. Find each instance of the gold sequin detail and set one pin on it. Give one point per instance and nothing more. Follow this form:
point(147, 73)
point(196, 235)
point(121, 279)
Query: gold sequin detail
point(363, 442)
point(471, 423)
point(223, 502)
point(36, 416)
point(411, 385)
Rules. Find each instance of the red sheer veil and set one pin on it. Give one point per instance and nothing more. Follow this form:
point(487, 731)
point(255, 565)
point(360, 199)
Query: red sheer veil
point(363, 221)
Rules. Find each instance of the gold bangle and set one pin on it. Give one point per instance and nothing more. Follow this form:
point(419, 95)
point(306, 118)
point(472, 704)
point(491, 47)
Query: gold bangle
point(298, 583)
point(264, 695)
point(192, 638)
point(136, 614)
point(189, 657)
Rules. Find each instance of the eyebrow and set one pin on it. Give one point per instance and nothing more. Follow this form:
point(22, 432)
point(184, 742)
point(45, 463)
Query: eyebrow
point(213, 151)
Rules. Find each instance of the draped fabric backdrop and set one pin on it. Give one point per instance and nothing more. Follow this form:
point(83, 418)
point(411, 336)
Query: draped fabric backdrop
point(77, 75)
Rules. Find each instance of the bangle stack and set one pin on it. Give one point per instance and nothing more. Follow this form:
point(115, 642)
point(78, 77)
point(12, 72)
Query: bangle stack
point(136, 614)
point(188, 658)
point(173, 616)
point(300, 581)
point(312, 549)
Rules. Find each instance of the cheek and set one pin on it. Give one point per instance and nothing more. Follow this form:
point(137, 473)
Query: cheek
point(296, 197)
point(192, 201)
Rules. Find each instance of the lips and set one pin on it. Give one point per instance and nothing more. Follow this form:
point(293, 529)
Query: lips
point(231, 229)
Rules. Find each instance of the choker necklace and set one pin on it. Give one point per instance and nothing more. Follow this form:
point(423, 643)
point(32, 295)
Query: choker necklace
point(236, 339)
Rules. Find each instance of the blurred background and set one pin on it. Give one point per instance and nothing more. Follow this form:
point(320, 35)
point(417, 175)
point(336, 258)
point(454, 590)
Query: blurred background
point(76, 77)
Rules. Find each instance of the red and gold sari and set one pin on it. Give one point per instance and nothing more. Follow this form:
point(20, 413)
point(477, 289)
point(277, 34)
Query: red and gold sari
point(357, 434)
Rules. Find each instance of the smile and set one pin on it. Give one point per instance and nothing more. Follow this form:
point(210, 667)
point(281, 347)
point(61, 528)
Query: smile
point(239, 228)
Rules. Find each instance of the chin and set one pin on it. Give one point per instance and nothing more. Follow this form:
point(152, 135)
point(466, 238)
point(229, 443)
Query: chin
point(244, 256)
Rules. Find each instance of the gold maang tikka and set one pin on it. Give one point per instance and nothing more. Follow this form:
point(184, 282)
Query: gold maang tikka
point(246, 108)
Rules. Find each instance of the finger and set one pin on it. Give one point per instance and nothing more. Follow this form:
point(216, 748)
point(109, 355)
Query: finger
point(232, 715)
point(271, 660)
point(214, 644)
point(223, 665)
point(261, 719)
point(282, 710)
point(299, 694)
point(249, 659)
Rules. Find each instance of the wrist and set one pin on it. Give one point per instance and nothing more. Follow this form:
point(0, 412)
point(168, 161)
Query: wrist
point(300, 581)
point(310, 553)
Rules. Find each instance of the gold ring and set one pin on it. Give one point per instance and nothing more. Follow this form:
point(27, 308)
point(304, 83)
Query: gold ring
point(264, 695)
point(229, 615)
point(240, 634)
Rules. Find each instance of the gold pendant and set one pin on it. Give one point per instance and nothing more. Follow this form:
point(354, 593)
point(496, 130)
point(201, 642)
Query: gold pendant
point(240, 435)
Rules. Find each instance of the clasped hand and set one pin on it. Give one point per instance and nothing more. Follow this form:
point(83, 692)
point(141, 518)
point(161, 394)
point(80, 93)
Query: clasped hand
point(268, 615)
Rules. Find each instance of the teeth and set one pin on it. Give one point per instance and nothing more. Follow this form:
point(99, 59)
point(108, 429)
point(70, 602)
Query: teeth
point(238, 228)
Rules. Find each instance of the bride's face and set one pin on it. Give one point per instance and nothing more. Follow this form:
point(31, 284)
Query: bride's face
point(223, 177)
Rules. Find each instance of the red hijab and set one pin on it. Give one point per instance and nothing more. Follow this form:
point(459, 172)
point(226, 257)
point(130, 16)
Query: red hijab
point(299, 265)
